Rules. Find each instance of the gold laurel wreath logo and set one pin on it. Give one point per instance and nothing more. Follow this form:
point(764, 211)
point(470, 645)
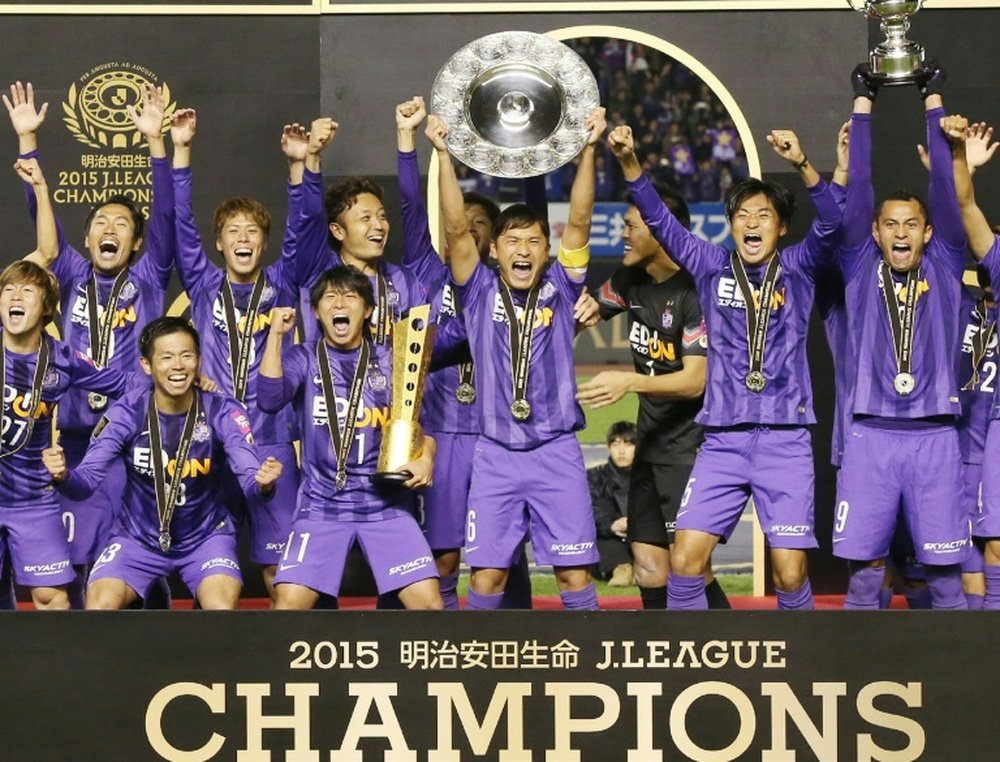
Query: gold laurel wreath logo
point(95, 113)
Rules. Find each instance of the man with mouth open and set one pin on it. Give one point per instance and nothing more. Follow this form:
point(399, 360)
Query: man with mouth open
point(339, 387)
point(758, 400)
point(527, 468)
point(903, 289)
point(178, 444)
point(107, 296)
point(231, 307)
point(36, 373)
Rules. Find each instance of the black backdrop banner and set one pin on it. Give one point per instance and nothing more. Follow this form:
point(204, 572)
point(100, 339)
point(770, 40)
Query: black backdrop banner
point(552, 686)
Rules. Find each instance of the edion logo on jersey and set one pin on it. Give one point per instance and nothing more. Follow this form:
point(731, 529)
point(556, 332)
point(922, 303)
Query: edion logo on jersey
point(570, 548)
point(728, 295)
point(408, 566)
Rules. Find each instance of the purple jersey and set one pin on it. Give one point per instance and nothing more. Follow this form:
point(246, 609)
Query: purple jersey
point(222, 441)
point(936, 323)
point(204, 282)
point(833, 312)
point(314, 255)
point(551, 390)
point(441, 411)
point(977, 383)
point(300, 384)
point(992, 264)
point(139, 301)
point(23, 478)
point(787, 397)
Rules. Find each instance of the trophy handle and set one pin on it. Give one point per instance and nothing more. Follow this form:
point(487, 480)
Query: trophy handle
point(863, 9)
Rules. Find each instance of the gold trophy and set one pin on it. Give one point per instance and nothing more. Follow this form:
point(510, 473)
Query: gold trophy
point(403, 437)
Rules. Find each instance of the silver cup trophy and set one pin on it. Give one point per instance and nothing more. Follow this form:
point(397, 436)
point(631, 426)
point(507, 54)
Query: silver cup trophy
point(896, 60)
point(515, 103)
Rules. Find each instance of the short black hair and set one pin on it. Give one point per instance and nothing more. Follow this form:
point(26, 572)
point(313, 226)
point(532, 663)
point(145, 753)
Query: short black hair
point(138, 220)
point(344, 277)
point(471, 198)
point(782, 199)
point(519, 216)
point(675, 202)
point(342, 196)
point(164, 326)
point(905, 196)
point(624, 430)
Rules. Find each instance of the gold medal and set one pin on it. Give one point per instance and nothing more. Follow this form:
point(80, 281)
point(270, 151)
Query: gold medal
point(755, 381)
point(164, 541)
point(465, 393)
point(97, 402)
point(904, 384)
point(520, 409)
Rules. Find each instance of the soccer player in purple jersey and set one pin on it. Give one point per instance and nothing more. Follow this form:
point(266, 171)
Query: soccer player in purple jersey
point(520, 324)
point(352, 220)
point(339, 387)
point(107, 296)
point(231, 307)
point(176, 442)
point(758, 397)
point(903, 283)
point(35, 373)
point(985, 246)
point(669, 344)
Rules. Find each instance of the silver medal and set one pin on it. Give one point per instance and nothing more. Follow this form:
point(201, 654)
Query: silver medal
point(904, 384)
point(755, 381)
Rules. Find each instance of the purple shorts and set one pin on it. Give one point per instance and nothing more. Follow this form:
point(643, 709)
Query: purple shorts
point(90, 522)
point(917, 471)
point(542, 491)
point(317, 550)
point(270, 519)
point(139, 566)
point(972, 477)
point(987, 523)
point(772, 465)
point(445, 503)
point(36, 544)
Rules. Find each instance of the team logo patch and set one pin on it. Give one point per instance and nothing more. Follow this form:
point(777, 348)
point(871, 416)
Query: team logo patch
point(548, 289)
point(243, 424)
point(128, 291)
point(377, 381)
point(267, 294)
point(392, 296)
point(201, 432)
point(51, 379)
point(667, 319)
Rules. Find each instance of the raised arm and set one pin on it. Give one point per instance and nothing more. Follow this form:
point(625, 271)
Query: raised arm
point(294, 140)
point(161, 237)
point(46, 233)
point(418, 251)
point(576, 235)
point(463, 255)
point(192, 260)
point(946, 218)
point(275, 388)
point(24, 117)
point(685, 248)
point(241, 456)
point(977, 229)
point(312, 250)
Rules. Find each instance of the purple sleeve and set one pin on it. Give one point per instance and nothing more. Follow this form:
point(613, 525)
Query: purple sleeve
point(273, 394)
point(859, 206)
point(696, 256)
point(475, 287)
point(451, 344)
point(81, 481)
point(192, 261)
point(567, 286)
point(839, 194)
point(946, 217)
point(312, 251)
point(85, 374)
point(818, 247)
point(992, 260)
point(293, 194)
point(419, 255)
point(161, 235)
point(233, 427)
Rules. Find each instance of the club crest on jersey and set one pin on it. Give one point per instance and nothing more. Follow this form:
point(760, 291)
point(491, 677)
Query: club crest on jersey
point(201, 432)
point(392, 295)
point(128, 291)
point(548, 290)
point(667, 319)
point(267, 294)
point(51, 378)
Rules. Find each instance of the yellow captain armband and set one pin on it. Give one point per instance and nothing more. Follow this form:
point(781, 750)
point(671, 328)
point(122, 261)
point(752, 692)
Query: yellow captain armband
point(575, 259)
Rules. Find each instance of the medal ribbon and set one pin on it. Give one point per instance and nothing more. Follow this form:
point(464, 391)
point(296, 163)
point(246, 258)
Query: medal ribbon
point(522, 333)
point(382, 308)
point(342, 440)
point(166, 494)
point(465, 369)
point(758, 315)
point(41, 366)
point(240, 342)
point(100, 332)
point(980, 343)
point(901, 326)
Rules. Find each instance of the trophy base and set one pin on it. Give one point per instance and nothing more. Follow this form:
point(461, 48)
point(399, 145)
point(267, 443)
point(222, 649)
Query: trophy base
point(390, 478)
point(902, 67)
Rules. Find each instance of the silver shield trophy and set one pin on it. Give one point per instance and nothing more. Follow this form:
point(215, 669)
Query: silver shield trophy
point(515, 103)
point(896, 60)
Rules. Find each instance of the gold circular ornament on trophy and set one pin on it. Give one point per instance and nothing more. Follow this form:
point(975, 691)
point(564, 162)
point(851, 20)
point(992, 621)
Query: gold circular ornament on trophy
point(515, 103)
point(896, 60)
